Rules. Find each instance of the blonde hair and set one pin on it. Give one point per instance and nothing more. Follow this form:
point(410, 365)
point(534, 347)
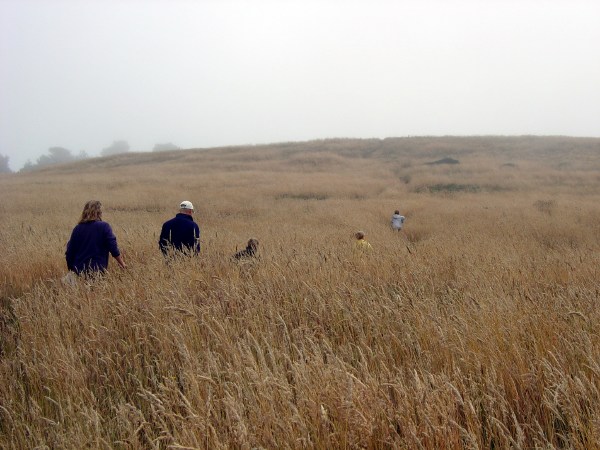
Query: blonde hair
point(92, 211)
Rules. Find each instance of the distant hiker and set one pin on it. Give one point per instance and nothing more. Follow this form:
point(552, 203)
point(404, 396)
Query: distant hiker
point(91, 241)
point(249, 251)
point(361, 243)
point(181, 233)
point(397, 221)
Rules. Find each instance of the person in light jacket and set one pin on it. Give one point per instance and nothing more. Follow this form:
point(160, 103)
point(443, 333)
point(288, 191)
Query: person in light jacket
point(397, 221)
point(91, 241)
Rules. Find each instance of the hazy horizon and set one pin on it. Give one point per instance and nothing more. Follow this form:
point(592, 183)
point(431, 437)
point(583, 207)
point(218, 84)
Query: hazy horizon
point(82, 74)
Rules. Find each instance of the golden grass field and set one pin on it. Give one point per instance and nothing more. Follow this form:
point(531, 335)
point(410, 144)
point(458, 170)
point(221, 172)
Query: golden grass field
point(475, 328)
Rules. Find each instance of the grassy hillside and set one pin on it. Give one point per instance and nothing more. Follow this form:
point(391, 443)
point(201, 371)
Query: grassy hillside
point(474, 328)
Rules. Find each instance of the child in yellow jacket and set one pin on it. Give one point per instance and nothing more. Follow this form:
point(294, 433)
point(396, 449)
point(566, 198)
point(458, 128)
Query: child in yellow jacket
point(361, 243)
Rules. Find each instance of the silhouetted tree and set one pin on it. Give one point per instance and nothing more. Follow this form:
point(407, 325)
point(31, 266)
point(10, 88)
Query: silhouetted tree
point(116, 148)
point(27, 167)
point(4, 168)
point(82, 155)
point(56, 155)
point(165, 147)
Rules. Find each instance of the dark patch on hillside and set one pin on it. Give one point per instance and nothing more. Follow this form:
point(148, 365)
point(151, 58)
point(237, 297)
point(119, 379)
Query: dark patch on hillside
point(302, 196)
point(449, 188)
point(443, 161)
point(458, 188)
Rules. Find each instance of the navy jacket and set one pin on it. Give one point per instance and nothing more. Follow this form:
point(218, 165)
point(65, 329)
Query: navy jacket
point(182, 233)
point(89, 246)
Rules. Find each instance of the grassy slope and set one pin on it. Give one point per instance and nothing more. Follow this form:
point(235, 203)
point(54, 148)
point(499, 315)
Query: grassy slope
point(475, 329)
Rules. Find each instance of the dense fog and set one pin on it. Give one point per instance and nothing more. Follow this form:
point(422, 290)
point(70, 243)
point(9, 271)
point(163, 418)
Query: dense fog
point(159, 75)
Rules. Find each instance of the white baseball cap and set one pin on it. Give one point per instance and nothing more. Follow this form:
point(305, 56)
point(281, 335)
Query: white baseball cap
point(186, 205)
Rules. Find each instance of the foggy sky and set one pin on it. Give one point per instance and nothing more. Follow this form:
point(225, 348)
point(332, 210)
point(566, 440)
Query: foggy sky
point(80, 74)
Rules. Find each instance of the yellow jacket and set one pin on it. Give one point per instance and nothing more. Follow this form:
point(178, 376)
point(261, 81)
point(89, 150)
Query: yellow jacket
point(362, 244)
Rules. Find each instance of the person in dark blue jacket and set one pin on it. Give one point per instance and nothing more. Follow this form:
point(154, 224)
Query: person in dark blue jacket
point(91, 241)
point(181, 233)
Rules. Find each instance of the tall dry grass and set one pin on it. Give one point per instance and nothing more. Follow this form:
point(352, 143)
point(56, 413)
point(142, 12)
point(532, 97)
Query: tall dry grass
point(476, 328)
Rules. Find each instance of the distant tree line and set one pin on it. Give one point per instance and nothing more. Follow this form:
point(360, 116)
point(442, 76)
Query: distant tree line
point(56, 155)
point(116, 148)
point(4, 168)
point(165, 147)
point(61, 155)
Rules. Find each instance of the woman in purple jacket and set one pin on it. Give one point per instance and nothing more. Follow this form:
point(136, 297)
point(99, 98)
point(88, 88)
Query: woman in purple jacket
point(91, 242)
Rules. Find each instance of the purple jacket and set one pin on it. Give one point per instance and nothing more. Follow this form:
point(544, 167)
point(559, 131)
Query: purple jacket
point(88, 248)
